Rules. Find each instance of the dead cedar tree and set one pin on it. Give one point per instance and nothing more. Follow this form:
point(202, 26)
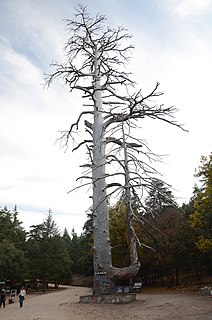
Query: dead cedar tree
point(96, 65)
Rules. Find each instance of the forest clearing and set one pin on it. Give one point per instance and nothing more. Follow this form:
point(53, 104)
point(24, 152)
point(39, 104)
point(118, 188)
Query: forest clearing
point(150, 304)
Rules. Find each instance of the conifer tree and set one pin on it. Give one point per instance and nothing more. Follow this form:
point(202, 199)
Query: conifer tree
point(96, 62)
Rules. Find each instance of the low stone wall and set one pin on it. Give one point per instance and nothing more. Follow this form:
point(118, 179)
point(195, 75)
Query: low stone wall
point(109, 298)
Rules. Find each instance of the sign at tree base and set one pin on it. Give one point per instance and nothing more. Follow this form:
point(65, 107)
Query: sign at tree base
point(109, 298)
point(103, 284)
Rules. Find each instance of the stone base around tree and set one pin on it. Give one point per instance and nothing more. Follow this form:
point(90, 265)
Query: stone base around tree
point(116, 298)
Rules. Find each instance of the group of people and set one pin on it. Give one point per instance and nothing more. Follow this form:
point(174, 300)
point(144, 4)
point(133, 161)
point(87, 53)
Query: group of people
point(21, 297)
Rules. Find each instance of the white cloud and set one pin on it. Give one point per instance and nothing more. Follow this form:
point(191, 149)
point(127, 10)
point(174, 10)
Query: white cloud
point(185, 9)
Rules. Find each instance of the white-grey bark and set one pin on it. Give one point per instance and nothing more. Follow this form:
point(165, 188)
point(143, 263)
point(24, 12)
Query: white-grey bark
point(102, 254)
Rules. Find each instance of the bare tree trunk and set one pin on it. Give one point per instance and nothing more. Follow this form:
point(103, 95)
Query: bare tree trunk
point(135, 264)
point(102, 249)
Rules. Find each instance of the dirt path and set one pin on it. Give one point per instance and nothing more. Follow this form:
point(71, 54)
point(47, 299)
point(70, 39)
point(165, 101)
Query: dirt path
point(64, 305)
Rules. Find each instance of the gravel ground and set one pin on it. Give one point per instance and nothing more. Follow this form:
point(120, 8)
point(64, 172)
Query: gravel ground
point(64, 305)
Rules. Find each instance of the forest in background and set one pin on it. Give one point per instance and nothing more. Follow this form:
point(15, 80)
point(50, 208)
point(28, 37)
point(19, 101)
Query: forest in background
point(175, 243)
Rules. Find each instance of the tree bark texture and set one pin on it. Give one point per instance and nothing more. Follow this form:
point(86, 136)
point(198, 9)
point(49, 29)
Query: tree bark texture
point(102, 249)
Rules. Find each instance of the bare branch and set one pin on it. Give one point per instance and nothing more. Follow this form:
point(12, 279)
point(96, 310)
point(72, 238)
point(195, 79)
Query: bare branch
point(113, 184)
point(78, 187)
point(80, 144)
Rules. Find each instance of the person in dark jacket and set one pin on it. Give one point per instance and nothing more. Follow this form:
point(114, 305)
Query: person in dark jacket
point(2, 298)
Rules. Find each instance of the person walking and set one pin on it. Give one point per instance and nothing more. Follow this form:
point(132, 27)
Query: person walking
point(2, 298)
point(22, 295)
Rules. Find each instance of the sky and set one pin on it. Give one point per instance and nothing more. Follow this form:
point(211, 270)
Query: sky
point(173, 46)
